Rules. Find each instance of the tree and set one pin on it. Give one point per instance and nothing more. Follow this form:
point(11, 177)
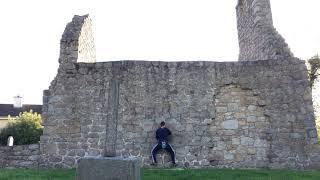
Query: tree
point(25, 129)
point(314, 76)
point(314, 70)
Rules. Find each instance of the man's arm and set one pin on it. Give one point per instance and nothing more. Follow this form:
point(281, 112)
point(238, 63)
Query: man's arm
point(169, 132)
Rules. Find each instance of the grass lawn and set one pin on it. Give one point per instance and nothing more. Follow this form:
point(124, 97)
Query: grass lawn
point(228, 174)
point(170, 174)
point(28, 174)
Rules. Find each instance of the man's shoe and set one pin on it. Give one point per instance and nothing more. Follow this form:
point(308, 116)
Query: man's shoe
point(153, 164)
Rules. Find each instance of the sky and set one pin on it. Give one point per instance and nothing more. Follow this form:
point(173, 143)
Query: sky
point(166, 30)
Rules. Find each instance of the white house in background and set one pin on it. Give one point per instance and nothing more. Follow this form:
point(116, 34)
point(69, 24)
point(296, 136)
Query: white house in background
point(13, 110)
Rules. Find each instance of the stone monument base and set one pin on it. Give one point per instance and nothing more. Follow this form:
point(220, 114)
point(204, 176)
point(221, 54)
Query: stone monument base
point(108, 168)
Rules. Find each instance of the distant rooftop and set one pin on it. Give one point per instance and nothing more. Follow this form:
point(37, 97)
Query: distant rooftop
point(9, 109)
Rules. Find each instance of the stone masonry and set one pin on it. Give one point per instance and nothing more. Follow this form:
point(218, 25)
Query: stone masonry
point(253, 113)
point(21, 156)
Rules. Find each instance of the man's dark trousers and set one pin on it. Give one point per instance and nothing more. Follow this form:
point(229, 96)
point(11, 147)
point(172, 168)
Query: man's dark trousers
point(168, 148)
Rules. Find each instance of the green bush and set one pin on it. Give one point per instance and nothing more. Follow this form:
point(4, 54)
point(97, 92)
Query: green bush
point(318, 135)
point(25, 129)
point(318, 128)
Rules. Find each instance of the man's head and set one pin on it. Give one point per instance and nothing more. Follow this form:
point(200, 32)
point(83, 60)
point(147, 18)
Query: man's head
point(162, 124)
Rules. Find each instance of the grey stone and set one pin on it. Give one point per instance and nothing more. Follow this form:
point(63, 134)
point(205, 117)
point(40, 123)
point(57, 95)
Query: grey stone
point(230, 124)
point(233, 107)
point(252, 119)
point(235, 141)
point(252, 108)
point(34, 157)
point(229, 156)
point(34, 147)
point(246, 141)
point(222, 109)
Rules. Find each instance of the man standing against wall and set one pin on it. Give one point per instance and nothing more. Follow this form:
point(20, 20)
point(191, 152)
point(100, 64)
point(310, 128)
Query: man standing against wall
point(162, 137)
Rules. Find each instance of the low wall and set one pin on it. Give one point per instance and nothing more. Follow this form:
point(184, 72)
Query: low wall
point(22, 156)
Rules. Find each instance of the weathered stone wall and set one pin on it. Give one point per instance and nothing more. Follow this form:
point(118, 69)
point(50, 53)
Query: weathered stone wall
point(21, 156)
point(258, 39)
point(230, 114)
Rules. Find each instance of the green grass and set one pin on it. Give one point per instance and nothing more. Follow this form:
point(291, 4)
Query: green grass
point(171, 174)
point(228, 174)
point(28, 174)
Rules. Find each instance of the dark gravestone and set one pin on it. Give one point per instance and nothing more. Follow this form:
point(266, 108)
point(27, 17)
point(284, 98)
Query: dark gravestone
point(109, 167)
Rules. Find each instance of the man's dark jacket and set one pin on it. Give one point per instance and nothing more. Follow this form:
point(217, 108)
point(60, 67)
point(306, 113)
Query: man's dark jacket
point(162, 134)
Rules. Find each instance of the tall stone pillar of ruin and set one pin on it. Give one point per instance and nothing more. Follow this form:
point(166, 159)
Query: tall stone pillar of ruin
point(77, 42)
point(258, 39)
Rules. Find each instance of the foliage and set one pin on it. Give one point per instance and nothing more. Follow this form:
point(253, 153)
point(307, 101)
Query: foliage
point(25, 129)
point(318, 135)
point(314, 76)
point(318, 128)
point(314, 71)
point(170, 174)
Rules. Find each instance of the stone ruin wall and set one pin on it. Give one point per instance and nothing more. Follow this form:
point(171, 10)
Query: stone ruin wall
point(222, 114)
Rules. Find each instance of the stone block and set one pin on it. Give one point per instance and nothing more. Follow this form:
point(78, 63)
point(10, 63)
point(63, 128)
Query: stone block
point(251, 151)
point(246, 141)
point(222, 109)
point(235, 141)
point(230, 124)
point(233, 107)
point(51, 148)
point(229, 156)
point(252, 107)
point(108, 168)
point(252, 119)
point(34, 146)
point(34, 157)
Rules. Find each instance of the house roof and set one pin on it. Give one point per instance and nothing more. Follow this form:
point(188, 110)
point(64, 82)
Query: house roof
point(8, 109)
